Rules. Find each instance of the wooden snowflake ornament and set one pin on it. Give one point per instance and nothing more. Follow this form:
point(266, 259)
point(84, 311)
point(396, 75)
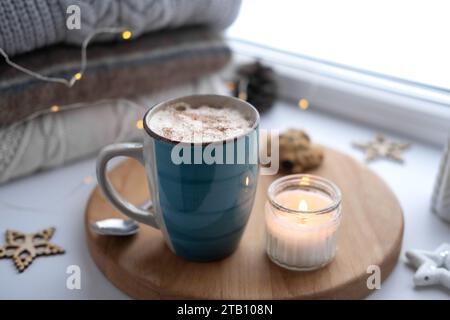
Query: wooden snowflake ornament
point(381, 147)
point(23, 248)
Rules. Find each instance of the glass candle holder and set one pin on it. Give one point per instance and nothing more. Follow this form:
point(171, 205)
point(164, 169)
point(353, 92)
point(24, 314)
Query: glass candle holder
point(302, 216)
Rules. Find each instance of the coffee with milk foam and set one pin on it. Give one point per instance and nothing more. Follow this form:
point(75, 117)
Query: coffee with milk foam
point(203, 124)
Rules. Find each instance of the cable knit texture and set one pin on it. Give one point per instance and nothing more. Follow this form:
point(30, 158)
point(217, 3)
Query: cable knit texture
point(29, 24)
point(148, 64)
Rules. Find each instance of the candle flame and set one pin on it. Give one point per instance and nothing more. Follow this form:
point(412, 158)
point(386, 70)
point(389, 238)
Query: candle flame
point(303, 205)
point(247, 181)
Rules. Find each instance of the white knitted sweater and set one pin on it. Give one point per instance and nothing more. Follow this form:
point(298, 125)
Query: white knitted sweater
point(30, 24)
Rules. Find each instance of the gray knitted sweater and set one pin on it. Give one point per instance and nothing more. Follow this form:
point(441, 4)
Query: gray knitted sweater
point(29, 24)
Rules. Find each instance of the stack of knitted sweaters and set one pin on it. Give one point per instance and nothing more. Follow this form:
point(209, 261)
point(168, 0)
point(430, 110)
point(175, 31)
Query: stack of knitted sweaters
point(176, 49)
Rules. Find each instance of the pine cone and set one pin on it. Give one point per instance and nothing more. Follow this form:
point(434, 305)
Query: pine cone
point(258, 84)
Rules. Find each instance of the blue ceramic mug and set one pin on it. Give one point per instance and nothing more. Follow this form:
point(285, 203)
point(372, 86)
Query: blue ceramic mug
point(201, 208)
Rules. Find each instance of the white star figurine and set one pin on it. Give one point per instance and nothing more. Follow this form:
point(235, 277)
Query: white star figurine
point(433, 267)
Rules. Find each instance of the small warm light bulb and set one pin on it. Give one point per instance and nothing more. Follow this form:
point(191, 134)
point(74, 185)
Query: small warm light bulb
point(126, 35)
point(242, 95)
point(303, 205)
point(247, 181)
point(140, 124)
point(54, 108)
point(303, 104)
point(88, 180)
point(78, 76)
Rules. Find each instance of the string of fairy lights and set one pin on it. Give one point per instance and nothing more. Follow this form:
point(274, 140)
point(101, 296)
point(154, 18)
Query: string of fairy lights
point(125, 35)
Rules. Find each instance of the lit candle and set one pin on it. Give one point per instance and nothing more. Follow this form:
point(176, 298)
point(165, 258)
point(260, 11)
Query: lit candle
point(302, 218)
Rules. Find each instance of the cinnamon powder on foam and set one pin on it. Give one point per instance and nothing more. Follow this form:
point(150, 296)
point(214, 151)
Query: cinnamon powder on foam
point(184, 123)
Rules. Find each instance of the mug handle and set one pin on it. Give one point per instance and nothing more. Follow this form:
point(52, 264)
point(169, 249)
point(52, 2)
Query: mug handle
point(132, 150)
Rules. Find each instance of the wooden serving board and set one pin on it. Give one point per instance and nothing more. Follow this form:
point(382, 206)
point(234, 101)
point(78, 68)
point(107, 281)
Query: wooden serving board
point(143, 267)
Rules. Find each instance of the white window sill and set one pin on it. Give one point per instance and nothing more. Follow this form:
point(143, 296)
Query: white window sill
point(416, 112)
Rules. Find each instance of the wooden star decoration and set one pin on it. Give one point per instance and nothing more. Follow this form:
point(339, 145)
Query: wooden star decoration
point(433, 267)
point(23, 248)
point(381, 147)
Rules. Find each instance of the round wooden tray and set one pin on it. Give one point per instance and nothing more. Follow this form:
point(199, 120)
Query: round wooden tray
point(143, 267)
